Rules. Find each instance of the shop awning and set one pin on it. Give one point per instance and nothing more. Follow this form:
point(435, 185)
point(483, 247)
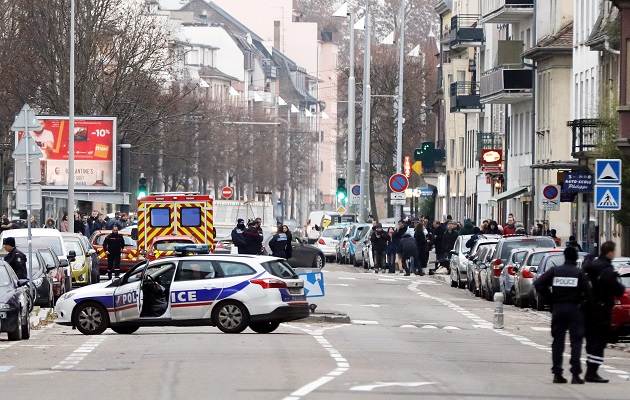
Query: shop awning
point(508, 194)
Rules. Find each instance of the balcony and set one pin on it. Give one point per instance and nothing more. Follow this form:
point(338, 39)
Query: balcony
point(507, 84)
point(465, 97)
point(505, 11)
point(587, 133)
point(489, 141)
point(466, 32)
point(270, 70)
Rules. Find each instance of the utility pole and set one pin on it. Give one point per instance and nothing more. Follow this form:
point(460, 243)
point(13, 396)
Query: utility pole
point(351, 179)
point(401, 73)
point(365, 123)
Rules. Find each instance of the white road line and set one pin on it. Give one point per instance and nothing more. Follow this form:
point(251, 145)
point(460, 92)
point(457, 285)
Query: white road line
point(5, 368)
point(342, 363)
point(80, 353)
point(541, 328)
point(409, 326)
point(363, 322)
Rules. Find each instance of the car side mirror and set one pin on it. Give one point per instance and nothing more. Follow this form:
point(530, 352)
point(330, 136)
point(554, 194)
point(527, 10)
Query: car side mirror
point(453, 253)
point(516, 267)
point(22, 282)
point(72, 255)
point(50, 267)
point(63, 263)
point(134, 233)
point(116, 280)
point(317, 228)
point(143, 253)
point(533, 270)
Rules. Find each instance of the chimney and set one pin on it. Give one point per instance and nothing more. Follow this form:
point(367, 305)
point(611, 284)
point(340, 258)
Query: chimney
point(276, 34)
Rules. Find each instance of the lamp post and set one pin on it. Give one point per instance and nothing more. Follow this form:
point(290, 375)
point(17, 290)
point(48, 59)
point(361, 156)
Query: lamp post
point(71, 122)
point(401, 73)
point(365, 122)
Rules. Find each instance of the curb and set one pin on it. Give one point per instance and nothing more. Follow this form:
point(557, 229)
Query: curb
point(440, 277)
point(334, 317)
point(38, 316)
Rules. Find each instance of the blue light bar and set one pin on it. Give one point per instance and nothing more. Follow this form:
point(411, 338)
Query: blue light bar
point(192, 248)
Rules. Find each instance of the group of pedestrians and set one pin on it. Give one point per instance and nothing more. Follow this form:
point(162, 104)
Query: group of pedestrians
point(581, 302)
point(249, 239)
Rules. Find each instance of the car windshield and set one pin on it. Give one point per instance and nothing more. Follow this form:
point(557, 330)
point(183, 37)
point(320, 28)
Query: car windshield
point(5, 279)
point(129, 242)
point(531, 242)
point(280, 268)
point(169, 245)
point(536, 258)
point(41, 241)
point(332, 233)
point(518, 257)
point(48, 257)
point(74, 245)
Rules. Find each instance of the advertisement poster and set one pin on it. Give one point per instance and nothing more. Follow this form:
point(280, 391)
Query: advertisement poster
point(94, 152)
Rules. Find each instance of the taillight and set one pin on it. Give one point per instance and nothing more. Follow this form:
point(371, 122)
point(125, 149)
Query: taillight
point(497, 262)
point(497, 271)
point(321, 241)
point(354, 241)
point(269, 283)
point(510, 270)
point(527, 274)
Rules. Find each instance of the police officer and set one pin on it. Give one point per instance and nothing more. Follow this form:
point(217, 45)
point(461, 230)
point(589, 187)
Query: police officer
point(570, 289)
point(237, 235)
point(606, 286)
point(113, 246)
point(15, 258)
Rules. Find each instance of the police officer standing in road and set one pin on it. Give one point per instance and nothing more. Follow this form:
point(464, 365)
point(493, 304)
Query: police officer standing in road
point(606, 286)
point(570, 289)
point(15, 258)
point(113, 246)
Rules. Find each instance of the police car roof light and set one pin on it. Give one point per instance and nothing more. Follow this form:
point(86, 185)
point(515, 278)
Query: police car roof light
point(192, 248)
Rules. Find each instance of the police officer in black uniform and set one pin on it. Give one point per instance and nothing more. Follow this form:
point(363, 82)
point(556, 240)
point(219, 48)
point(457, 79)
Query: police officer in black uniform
point(606, 286)
point(570, 289)
point(15, 258)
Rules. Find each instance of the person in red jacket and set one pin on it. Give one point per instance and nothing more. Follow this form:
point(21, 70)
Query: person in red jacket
point(510, 227)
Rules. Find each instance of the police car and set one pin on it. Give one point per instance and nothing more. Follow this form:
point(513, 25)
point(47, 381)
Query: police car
point(230, 292)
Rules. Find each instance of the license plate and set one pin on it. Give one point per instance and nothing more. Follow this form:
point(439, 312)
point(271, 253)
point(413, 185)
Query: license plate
point(295, 290)
point(3, 314)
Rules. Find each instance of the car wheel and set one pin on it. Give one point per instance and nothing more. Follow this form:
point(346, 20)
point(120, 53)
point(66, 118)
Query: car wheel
point(318, 261)
point(29, 301)
point(91, 318)
point(540, 304)
point(264, 327)
point(507, 298)
point(17, 333)
point(231, 317)
point(26, 327)
point(453, 282)
point(125, 330)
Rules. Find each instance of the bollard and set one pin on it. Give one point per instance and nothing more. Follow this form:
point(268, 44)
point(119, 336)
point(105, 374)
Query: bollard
point(498, 311)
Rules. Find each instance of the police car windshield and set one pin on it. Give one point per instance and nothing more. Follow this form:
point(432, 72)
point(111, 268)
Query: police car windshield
point(40, 241)
point(280, 268)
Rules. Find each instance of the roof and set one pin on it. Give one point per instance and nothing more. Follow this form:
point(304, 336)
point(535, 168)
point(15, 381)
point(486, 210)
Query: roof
point(211, 72)
point(600, 33)
point(559, 42)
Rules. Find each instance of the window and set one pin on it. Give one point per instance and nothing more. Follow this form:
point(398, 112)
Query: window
point(462, 149)
point(193, 270)
point(281, 269)
point(191, 216)
point(230, 268)
point(193, 57)
point(72, 245)
point(160, 217)
point(452, 152)
point(41, 241)
point(48, 257)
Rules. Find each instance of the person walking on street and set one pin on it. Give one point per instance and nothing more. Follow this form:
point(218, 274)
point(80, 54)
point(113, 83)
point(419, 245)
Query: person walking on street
point(408, 253)
point(253, 240)
point(566, 287)
point(420, 236)
point(237, 235)
point(392, 247)
point(280, 243)
point(606, 286)
point(448, 241)
point(15, 258)
point(379, 239)
point(64, 223)
point(574, 243)
point(113, 246)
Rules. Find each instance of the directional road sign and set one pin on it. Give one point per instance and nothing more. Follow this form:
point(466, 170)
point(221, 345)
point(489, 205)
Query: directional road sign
point(608, 172)
point(313, 284)
point(607, 197)
point(398, 183)
point(550, 198)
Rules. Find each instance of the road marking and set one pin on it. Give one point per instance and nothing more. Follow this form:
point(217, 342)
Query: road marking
point(387, 279)
point(368, 388)
point(342, 363)
point(363, 322)
point(409, 326)
point(338, 284)
point(541, 328)
point(347, 278)
point(5, 368)
point(80, 353)
point(428, 327)
point(361, 305)
point(452, 328)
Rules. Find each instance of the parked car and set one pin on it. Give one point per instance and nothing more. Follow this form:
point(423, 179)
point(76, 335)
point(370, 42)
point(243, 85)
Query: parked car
point(481, 267)
point(620, 322)
point(81, 265)
point(506, 280)
point(473, 258)
point(621, 262)
point(547, 262)
point(129, 257)
point(363, 249)
point(306, 255)
point(350, 241)
point(61, 283)
point(14, 301)
point(224, 246)
point(459, 259)
point(42, 281)
point(502, 251)
point(526, 271)
point(328, 240)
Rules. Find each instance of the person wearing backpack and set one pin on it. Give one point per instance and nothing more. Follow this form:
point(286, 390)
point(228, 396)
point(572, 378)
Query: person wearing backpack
point(237, 236)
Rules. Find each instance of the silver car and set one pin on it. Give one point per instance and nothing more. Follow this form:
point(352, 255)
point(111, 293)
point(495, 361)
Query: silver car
point(506, 280)
point(525, 272)
point(459, 259)
point(476, 253)
point(348, 242)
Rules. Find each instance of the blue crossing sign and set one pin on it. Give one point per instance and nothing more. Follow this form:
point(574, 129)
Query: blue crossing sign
point(313, 284)
point(608, 172)
point(608, 197)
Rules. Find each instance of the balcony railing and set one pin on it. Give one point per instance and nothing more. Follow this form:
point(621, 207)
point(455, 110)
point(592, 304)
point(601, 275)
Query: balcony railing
point(507, 84)
point(270, 70)
point(587, 133)
point(465, 97)
point(489, 141)
point(466, 31)
point(505, 11)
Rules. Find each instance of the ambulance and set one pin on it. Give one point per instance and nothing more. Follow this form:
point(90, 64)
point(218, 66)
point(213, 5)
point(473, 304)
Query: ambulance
point(174, 214)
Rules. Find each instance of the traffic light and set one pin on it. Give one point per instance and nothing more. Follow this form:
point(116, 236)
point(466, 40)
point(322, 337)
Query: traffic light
point(342, 192)
point(143, 191)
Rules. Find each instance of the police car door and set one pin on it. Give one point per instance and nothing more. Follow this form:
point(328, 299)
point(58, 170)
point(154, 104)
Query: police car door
point(127, 297)
point(195, 287)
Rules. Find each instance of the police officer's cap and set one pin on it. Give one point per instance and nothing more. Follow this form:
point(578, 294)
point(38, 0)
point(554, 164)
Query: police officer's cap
point(571, 254)
point(9, 240)
point(240, 221)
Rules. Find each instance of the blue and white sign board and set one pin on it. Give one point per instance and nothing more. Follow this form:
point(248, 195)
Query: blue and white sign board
point(313, 284)
point(608, 197)
point(608, 172)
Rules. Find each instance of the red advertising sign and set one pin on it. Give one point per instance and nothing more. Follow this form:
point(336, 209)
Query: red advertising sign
point(94, 152)
point(491, 160)
point(407, 166)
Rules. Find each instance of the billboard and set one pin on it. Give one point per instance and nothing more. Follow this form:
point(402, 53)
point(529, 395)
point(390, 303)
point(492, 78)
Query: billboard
point(94, 152)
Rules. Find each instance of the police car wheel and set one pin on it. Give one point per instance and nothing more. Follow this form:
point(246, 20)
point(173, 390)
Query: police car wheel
point(264, 327)
point(91, 318)
point(231, 317)
point(125, 330)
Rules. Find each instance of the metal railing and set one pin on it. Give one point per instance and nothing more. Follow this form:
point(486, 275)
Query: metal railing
point(490, 6)
point(465, 88)
point(489, 141)
point(509, 78)
point(586, 134)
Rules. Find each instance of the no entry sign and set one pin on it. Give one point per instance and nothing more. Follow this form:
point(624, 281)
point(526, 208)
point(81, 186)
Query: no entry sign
point(227, 192)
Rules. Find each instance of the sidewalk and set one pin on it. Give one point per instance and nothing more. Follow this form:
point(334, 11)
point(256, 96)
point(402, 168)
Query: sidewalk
point(39, 316)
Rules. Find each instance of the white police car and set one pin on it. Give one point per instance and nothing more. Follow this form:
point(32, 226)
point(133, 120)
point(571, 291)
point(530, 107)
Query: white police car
point(230, 292)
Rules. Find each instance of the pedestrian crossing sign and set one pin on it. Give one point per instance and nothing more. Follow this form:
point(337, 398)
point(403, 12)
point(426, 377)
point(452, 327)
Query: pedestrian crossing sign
point(608, 172)
point(607, 197)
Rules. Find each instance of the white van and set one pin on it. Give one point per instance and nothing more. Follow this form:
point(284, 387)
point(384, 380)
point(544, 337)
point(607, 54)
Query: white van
point(313, 226)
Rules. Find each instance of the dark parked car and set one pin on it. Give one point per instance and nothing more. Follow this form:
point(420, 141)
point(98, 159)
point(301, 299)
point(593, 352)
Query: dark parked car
point(306, 255)
point(42, 280)
point(620, 323)
point(61, 282)
point(14, 304)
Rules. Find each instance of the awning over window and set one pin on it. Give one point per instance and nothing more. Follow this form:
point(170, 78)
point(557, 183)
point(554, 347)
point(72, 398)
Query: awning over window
point(508, 194)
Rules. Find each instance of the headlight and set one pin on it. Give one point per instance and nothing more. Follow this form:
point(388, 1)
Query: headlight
point(67, 296)
point(38, 281)
point(78, 267)
point(4, 306)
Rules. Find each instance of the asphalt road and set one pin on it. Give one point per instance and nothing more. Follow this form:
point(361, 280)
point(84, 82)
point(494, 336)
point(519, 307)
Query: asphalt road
point(411, 337)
